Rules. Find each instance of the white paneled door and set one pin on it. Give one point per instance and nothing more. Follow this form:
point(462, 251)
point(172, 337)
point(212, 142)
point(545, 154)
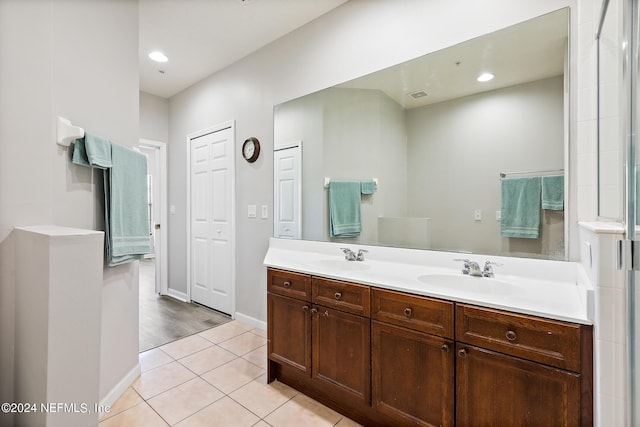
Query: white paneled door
point(287, 173)
point(211, 219)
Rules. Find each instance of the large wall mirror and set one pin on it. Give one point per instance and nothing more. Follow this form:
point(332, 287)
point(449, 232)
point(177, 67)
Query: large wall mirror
point(436, 140)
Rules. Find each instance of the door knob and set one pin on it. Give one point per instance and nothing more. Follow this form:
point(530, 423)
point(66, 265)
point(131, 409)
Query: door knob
point(157, 226)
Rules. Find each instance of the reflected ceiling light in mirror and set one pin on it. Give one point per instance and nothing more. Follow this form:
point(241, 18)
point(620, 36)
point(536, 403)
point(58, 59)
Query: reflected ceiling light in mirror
point(485, 77)
point(158, 56)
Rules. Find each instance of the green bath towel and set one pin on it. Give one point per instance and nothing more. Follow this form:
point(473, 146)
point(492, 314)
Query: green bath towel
point(344, 209)
point(126, 206)
point(521, 207)
point(553, 192)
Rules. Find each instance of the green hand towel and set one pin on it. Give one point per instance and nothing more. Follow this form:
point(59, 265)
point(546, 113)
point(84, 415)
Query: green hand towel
point(126, 206)
point(92, 151)
point(344, 209)
point(367, 187)
point(553, 192)
point(521, 207)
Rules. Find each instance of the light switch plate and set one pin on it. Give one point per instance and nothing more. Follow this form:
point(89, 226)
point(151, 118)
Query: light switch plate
point(477, 215)
point(251, 211)
point(265, 211)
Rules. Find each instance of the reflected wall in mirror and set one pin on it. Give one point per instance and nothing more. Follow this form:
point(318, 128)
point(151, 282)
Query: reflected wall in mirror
point(610, 121)
point(437, 140)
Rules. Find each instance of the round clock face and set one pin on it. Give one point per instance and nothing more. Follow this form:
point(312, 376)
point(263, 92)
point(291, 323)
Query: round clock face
point(251, 150)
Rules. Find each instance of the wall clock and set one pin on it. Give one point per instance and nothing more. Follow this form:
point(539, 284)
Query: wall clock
point(251, 149)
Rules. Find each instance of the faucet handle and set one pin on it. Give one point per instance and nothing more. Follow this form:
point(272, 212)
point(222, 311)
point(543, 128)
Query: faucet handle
point(360, 256)
point(488, 268)
point(465, 270)
point(348, 254)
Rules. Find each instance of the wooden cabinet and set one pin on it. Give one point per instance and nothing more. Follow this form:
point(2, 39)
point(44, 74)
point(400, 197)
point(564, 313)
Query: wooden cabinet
point(387, 358)
point(313, 333)
point(412, 359)
point(493, 389)
point(538, 375)
point(289, 332)
point(412, 377)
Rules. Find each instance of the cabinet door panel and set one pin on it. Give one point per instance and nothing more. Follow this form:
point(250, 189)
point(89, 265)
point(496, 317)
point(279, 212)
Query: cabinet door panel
point(494, 389)
point(412, 376)
point(341, 353)
point(289, 332)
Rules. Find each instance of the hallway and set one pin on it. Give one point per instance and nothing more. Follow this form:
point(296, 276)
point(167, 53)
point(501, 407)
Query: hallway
point(164, 319)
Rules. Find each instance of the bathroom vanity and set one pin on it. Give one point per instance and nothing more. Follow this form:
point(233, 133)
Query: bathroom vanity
point(381, 344)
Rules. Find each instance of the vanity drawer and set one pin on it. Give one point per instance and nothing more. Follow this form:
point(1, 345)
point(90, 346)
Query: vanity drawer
point(294, 285)
point(541, 340)
point(414, 312)
point(342, 296)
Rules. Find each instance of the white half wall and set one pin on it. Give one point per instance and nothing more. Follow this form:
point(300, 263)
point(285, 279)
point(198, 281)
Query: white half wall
point(78, 60)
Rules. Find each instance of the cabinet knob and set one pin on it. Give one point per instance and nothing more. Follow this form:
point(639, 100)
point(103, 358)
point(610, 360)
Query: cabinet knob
point(305, 307)
point(445, 348)
point(511, 336)
point(408, 312)
point(287, 284)
point(462, 353)
point(338, 295)
point(314, 310)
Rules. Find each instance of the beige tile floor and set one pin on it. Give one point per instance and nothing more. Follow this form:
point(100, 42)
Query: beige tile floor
point(215, 378)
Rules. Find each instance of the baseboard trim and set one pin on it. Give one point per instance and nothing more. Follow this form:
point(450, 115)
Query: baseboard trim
point(114, 394)
point(260, 324)
point(180, 296)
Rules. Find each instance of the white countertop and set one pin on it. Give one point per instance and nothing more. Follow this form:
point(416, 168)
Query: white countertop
point(550, 289)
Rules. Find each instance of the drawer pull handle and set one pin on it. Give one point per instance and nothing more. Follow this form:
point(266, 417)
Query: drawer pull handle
point(445, 348)
point(462, 353)
point(338, 295)
point(408, 312)
point(287, 284)
point(511, 336)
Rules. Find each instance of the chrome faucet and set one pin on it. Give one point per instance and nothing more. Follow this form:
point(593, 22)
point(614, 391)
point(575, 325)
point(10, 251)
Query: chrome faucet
point(360, 256)
point(488, 268)
point(349, 255)
point(471, 268)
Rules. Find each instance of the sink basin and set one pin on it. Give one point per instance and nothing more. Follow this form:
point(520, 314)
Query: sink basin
point(476, 285)
point(341, 265)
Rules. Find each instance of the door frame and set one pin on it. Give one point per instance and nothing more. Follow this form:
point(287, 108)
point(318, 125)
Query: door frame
point(163, 248)
point(212, 129)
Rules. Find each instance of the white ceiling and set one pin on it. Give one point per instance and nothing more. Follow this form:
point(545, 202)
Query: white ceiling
point(201, 37)
point(525, 52)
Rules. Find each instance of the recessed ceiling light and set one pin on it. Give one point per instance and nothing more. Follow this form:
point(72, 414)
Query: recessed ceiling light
point(158, 56)
point(485, 77)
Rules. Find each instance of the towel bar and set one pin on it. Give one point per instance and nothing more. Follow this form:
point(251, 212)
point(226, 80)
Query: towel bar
point(540, 172)
point(67, 133)
point(327, 180)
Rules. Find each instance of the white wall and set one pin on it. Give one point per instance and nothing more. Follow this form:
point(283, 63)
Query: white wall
point(154, 117)
point(355, 39)
point(78, 60)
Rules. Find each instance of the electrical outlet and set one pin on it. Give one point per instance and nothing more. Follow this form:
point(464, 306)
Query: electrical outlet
point(477, 215)
point(251, 211)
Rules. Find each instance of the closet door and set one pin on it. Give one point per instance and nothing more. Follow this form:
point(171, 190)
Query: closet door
point(211, 240)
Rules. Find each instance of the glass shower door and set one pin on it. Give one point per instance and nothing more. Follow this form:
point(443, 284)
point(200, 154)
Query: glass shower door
point(632, 124)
